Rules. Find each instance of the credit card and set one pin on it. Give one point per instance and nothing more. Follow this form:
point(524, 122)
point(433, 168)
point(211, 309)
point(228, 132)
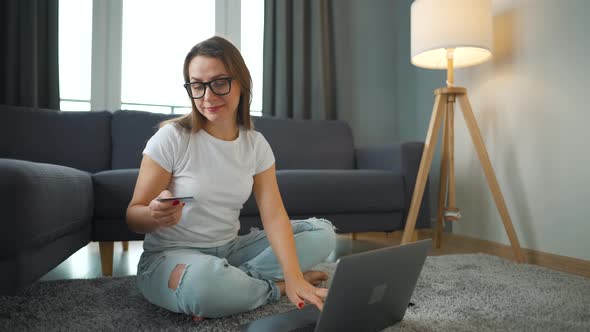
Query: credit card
point(179, 198)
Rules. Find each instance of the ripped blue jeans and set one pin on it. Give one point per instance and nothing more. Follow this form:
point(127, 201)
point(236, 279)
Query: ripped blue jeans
point(236, 277)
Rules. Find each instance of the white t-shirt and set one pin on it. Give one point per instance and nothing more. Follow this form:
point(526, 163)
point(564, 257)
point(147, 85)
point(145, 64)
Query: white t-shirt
point(218, 173)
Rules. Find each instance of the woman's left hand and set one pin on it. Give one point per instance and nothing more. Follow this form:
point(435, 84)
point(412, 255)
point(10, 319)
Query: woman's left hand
point(299, 291)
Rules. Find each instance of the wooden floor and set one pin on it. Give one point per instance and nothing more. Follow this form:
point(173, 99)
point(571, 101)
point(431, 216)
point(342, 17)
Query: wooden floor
point(85, 263)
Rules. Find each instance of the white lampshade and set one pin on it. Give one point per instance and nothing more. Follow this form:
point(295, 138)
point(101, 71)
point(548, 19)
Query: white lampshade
point(465, 25)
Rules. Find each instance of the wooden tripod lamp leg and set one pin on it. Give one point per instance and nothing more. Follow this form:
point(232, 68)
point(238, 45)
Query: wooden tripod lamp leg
point(451, 211)
point(442, 190)
point(425, 162)
point(490, 176)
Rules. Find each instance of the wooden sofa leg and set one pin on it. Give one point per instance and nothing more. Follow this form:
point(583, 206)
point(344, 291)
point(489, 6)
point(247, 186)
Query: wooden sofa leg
point(106, 257)
point(125, 245)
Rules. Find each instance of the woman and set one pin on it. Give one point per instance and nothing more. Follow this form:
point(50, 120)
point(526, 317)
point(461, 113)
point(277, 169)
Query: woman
point(193, 261)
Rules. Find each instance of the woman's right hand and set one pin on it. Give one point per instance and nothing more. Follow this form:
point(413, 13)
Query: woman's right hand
point(166, 214)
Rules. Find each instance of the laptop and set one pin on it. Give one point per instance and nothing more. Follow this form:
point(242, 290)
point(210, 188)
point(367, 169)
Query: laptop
point(369, 292)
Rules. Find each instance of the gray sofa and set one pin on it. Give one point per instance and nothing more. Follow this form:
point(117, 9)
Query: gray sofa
point(67, 177)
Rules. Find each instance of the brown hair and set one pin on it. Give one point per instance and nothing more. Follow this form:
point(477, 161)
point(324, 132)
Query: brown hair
point(222, 49)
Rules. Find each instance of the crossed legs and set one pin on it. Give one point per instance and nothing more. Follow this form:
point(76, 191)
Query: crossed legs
point(237, 277)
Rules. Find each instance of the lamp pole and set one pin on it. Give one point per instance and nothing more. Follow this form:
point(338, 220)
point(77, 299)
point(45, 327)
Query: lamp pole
point(450, 75)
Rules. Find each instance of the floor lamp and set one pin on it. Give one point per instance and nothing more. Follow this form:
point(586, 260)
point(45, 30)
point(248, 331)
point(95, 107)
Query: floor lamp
point(448, 34)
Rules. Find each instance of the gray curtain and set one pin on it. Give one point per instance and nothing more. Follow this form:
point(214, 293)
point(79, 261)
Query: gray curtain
point(29, 74)
point(298, 60)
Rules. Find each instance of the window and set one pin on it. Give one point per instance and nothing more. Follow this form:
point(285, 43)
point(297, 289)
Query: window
point(139, 48)
point(252, 39)
point(153, 54)
point(75, 45)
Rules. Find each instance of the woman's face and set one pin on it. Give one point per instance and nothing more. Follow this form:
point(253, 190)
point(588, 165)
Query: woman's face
point(217, 109)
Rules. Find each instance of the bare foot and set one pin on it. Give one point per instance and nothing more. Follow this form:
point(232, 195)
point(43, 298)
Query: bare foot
point(282, 288)
point(313, 277)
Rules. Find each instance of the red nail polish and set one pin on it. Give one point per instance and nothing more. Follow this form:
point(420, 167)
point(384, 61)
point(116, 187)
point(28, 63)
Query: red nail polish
point(300, 305)
point(176, 202)
point(183, 204)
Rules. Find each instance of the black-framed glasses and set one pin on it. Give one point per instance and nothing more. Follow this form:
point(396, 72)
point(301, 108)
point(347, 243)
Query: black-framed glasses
point(220, 87)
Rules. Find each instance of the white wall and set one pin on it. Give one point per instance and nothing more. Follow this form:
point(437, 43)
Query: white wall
point(532, 105)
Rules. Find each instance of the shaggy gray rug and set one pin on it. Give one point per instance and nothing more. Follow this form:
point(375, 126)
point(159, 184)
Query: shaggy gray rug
point(473, 292)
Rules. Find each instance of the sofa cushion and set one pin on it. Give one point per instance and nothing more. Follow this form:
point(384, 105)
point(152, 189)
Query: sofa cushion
point(112, 193)
point(318, 144)
point(337, 191)
point(303, 192)
point(130, 132)
point(308, 144)
point(81, 140)
point(41, 203)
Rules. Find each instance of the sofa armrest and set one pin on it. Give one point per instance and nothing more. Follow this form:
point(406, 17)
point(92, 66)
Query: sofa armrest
point(401, 158)
point(36, 196)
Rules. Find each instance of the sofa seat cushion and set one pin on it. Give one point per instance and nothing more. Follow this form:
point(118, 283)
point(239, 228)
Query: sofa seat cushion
point(112, 193)
point(303, 192)
point(337, 191)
